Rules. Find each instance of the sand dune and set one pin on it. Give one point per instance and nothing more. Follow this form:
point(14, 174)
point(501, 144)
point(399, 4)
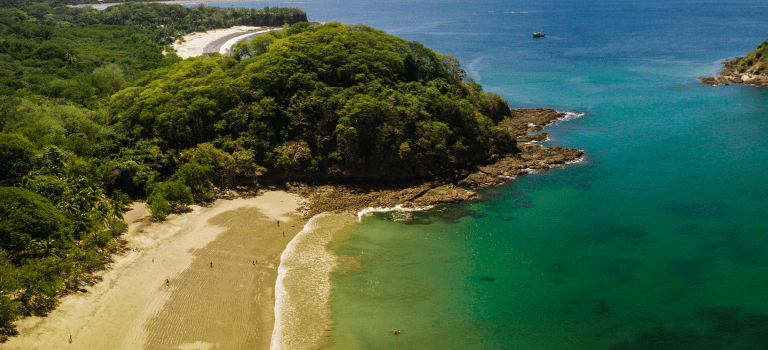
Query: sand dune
point(229, 305)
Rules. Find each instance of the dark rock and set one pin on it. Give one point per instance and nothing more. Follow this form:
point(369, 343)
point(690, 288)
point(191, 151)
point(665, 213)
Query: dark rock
point(536, 137)
point(755, 74)
point(480, 180)
point(709, 80)
point(443, 194)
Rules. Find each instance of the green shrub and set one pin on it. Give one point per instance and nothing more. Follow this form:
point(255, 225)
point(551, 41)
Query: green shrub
point(16, 153)
point(167, 196)
point(198, 177)
point(29, 223)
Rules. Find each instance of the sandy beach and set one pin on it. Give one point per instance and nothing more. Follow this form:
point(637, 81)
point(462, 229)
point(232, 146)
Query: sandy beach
point(221, 264)
point(102, 6)
point(219, 40)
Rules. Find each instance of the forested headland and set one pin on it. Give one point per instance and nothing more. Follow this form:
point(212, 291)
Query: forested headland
point(94, 115)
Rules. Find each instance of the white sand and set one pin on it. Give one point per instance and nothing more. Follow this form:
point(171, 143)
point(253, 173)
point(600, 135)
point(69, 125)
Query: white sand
point(225, 49)
point(229, 305)
point(194, 43)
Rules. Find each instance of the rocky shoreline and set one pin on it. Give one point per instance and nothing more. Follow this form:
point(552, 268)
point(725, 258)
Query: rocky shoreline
point(731, 75)
point(451, 186)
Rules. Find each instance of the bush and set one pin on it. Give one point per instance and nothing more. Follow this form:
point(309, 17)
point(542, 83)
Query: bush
point(167, 196)
point(27, 221)
point(198, 177)
point(9, 312)
point(16, 154)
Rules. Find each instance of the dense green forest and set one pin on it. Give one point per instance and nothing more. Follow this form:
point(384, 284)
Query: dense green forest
point(60, 147)
point(93, 115)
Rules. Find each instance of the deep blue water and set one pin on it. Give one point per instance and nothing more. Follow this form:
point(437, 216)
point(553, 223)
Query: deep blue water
point(658, 240)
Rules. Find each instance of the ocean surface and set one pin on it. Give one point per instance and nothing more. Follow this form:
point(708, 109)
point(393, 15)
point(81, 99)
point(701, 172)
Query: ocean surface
point(657, 240)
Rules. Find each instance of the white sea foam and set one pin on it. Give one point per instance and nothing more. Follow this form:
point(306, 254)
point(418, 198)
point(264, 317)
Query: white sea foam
point(371, 210)
point(534, 142)
point(473, 70)
point(303, 287)
point(570, 115)
point(577, 160)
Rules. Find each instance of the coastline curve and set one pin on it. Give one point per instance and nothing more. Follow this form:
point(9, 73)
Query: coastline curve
point(303, 287)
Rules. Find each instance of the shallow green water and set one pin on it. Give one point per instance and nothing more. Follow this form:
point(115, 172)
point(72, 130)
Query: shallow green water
point(658, 240)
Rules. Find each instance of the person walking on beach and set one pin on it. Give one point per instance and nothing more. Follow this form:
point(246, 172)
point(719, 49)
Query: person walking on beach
point(167, 283)
point(283, 233)
point(70, 338)
point(278, 223)
point(211, 264)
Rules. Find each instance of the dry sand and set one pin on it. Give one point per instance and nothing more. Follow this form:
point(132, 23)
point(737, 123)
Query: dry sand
point(195, 44)
point(227, 306)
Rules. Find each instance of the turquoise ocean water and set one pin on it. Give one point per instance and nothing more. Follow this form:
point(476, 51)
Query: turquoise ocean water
point(657, 240)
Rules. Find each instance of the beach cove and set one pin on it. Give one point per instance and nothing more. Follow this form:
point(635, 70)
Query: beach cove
point(237, 273)
point(220, 262)
point(655, 239)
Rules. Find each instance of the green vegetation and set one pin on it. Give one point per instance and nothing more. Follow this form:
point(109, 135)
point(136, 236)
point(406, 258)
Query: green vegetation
point(65, 163)
point(165, 22)
point(755, 62)
point(321, 101)
point(92, 114)
point(56, 225)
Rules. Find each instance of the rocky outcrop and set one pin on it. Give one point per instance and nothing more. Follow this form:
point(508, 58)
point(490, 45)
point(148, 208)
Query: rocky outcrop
point(525, 121)
point(751, 69)
point(453, 184)
point(443, 194)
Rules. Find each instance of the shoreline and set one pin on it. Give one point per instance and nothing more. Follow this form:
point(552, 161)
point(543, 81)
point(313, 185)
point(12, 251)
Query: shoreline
point(303, 315)
point(730, 75)
point(101, 6)
point(221, 261)
point(232, 303)
point(452, 185)
point(217, 40)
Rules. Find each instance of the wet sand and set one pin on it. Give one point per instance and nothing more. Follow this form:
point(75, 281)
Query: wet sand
point(226, 305)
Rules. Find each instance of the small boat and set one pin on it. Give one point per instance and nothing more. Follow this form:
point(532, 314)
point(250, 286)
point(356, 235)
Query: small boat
point(538, 35)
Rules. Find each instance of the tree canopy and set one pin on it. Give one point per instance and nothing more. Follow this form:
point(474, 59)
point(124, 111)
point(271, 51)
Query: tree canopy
point(92, 113)
point(26, 217)
point(16, 154)
point(329, 100)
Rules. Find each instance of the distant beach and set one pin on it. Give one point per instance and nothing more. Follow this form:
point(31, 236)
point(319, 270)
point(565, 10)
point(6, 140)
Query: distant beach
point(102, 6)
point(219, 40)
